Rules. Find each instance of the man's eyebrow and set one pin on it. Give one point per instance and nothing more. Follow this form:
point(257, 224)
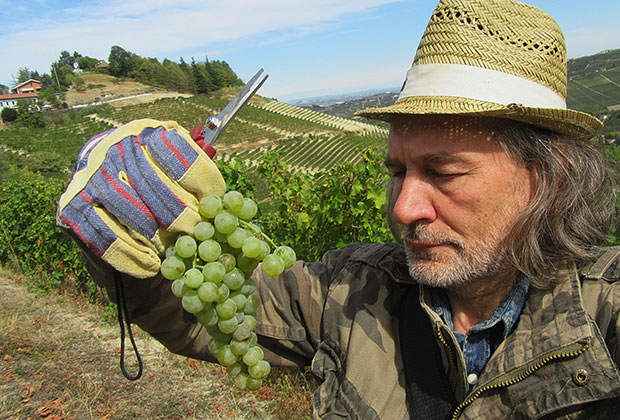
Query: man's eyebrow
point(390, 162)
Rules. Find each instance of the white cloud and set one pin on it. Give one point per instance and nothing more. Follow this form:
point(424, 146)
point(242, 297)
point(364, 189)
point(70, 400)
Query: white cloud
point(160, 27)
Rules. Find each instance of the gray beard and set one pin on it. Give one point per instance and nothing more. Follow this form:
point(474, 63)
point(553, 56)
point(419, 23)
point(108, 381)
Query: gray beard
point(483, 258)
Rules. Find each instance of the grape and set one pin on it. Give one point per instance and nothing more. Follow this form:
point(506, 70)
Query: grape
point(273, 265)
point(228, 326)
point(234, 370)
point(251, 247)
point(225, 357)
point(228, 260)
point(253, 384)
point(215, 346)
point(251, 304)
point(233, 201)
point(236, 237)
point(191, 302)
point(264, 250)
point(248, 287)
point(239, 299)
point(214, 272)
point(172, 268)
point(211, 269)
point(287, 254)
point(208, 292)
point(185, 246)
point(209, 250)
point(249, 209)
point(193, 278)
point(208, 316)
point(260, 369)
point(250, 321)
point(203, 231)
point(225, 222)
point(253, 355)
point(241, 381)
point(234, 279)
point(170, 251)
point(253, 339)
point(247, 264)
point(226, 309)
point(242, 332)
point(239, 348)
point(179, 288)
point(210, 206)
point(223, 293)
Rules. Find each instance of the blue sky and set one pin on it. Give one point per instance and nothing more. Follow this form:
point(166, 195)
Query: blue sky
point(308, 47)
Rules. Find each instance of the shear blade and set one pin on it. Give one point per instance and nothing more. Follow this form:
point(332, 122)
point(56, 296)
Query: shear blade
point(216, 124)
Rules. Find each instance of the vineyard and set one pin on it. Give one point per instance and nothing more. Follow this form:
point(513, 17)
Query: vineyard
point(309, 141)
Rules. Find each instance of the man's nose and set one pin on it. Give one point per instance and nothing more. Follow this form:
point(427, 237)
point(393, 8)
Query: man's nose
point(414, 202)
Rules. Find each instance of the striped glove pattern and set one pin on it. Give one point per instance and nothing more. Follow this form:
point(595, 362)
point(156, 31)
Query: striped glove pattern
point(134, 189)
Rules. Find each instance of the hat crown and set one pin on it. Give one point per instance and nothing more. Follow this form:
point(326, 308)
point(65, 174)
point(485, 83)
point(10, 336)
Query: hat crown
point(501, 35)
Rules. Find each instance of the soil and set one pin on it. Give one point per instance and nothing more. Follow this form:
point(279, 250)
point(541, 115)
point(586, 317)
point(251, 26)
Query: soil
point(59, 360)
point(106, 88)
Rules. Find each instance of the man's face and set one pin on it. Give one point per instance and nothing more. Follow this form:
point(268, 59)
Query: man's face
point(456, 194)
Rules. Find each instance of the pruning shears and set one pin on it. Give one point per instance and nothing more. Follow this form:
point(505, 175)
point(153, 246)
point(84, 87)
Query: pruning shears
point(205, 136)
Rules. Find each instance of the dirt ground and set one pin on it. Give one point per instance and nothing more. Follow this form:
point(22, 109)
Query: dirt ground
point(104, 88)
point(59, 360)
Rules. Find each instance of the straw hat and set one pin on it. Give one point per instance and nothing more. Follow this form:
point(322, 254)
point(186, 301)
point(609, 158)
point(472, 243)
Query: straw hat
point(499, 58)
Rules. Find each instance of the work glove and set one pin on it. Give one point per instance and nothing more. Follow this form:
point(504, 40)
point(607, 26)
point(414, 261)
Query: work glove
point(134, 189)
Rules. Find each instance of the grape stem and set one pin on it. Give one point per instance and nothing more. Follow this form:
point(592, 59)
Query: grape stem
point(260, 232)
point(195, 261)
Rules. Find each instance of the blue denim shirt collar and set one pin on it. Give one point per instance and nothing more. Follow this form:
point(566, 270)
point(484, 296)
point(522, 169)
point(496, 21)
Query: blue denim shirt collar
point(482, 339)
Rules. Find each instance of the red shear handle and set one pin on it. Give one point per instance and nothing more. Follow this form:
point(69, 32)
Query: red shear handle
point(196, 134)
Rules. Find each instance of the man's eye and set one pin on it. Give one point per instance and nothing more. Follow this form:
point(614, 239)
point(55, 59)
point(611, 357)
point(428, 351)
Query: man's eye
point(437, 174)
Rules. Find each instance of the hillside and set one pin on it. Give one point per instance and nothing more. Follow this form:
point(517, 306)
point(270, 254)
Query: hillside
point(309, 141)
point(99, 87)
point(593, 87)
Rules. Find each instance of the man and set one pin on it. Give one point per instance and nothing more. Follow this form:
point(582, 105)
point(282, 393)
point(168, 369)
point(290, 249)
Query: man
point(495, 302)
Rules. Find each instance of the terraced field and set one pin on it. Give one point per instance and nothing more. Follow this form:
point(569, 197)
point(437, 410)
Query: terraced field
point(309, 141)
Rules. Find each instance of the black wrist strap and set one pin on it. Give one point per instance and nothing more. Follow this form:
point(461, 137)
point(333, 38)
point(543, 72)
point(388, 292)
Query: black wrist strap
point(123, 320)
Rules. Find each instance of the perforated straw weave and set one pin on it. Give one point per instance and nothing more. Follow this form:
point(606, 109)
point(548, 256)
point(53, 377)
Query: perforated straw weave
point(498, 58)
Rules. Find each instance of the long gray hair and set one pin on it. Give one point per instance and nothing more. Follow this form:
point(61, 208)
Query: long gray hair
point(572, 210)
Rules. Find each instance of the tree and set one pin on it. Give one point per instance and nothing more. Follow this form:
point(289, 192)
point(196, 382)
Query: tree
point(200, 79)
point(121, 62)
point(4, 89)
point(87, 63)
point(8, 114)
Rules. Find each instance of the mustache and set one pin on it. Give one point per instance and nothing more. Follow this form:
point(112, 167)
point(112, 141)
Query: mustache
point(417, 232)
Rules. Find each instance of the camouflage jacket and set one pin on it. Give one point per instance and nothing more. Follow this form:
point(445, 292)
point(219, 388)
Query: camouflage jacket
point(342, 315)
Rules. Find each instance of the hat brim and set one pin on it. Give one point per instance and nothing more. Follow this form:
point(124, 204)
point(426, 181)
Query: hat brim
point(562, 121)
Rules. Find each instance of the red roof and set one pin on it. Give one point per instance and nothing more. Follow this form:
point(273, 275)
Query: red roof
point(18, 96)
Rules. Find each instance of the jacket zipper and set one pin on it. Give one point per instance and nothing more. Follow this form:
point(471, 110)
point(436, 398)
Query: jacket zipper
point(453, 378)
point(522, 373)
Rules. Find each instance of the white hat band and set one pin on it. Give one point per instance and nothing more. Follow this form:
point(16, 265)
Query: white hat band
point(478, 83)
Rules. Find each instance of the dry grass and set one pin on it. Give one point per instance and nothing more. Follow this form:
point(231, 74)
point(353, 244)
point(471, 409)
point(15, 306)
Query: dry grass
point(59, 361)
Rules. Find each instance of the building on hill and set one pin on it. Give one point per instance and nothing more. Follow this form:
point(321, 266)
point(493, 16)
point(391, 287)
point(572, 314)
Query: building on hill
point(10, 100)
point(29, 86)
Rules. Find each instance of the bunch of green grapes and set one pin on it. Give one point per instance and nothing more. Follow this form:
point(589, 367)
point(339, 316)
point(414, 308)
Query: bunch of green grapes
point(211, 272)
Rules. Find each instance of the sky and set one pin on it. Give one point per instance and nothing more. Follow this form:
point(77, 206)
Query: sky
point(308, 47)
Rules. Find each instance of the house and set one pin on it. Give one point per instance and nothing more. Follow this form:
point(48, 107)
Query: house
point(24, 90)
point(10, 100)
point(29, 86)
point(102, 65)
